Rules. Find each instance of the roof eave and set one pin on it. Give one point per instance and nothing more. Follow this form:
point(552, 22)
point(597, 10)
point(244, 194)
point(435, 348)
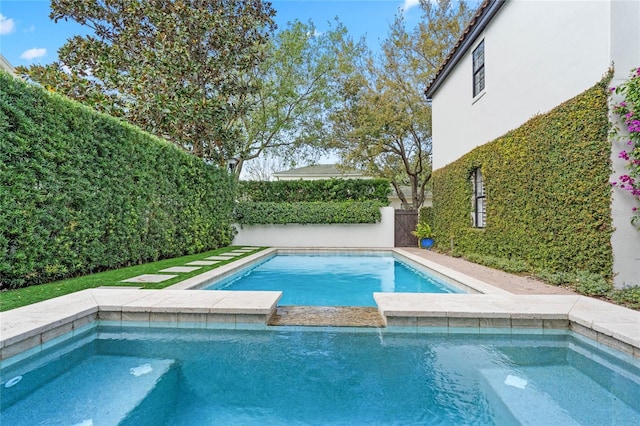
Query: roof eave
point(469, 36)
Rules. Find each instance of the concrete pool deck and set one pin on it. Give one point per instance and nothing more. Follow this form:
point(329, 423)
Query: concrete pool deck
point(498, 302)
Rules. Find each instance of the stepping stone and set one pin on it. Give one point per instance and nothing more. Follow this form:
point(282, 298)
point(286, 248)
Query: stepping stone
point(149, 278)
point(181, 269)
point(220, 257)
point(202, 262)
point(250, 248)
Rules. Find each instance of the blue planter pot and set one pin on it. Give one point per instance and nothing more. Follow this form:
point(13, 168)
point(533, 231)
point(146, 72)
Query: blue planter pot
point(426, 243)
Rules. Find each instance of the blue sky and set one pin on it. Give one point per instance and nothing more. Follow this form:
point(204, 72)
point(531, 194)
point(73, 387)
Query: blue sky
point(28, 36)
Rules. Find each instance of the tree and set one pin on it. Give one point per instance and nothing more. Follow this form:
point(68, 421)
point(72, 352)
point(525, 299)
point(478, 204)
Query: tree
point(297, 86)
point(174, 68)
point(383, 125)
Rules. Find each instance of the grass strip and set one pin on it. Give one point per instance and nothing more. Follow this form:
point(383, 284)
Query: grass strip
point(11, 299)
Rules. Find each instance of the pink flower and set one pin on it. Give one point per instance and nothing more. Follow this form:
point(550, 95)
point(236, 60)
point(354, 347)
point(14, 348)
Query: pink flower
point(623, 155)
point(612, 89)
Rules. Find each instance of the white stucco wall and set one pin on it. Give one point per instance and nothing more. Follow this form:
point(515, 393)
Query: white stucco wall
point(625, 52)
point(330, 236)
point(538, 54)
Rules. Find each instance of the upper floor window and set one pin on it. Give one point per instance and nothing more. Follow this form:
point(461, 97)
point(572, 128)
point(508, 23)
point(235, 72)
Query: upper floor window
point(479, 214)
point(478, 69)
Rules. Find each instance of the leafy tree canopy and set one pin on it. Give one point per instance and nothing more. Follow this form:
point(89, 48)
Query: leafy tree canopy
point(297, 87)
point(174, 68)
point(383, 124)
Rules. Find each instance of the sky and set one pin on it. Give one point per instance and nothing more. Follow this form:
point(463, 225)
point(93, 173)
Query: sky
point(28, 36)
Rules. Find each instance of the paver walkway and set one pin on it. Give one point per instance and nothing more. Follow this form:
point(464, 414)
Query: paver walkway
point(515, 284)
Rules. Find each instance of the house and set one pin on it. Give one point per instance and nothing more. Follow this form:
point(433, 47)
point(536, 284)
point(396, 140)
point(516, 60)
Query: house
point(520, 58)
point(331, 171)
point(6, 66)
point(319, 171)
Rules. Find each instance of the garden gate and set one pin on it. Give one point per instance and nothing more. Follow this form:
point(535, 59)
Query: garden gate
point(405, 222)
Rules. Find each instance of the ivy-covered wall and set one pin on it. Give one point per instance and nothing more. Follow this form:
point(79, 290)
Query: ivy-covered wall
point(311, 201)
point(547, 191)
point(82, 192)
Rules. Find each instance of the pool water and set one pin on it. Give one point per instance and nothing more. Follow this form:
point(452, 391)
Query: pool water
point(333, 280)
point(153, 376)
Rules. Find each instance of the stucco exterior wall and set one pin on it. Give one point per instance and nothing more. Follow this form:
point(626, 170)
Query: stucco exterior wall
point(625, 53)
point(330, 236)
point(538, 54)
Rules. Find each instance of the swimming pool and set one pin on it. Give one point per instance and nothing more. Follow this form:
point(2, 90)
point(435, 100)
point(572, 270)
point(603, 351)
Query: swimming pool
point(131, 375)
point(333, 279)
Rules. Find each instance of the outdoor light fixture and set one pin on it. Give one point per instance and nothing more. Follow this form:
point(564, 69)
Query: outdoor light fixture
point(232, 162)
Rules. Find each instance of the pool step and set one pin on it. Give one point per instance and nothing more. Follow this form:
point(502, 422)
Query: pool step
point(528, 405)
point(327, 316)
point(99, 390)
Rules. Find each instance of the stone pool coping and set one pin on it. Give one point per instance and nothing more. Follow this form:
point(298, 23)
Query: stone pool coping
point(488, 310)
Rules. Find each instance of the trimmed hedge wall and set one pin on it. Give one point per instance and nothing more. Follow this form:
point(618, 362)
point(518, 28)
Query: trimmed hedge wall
point(82, 192)
point(311, 201)
point(252, 213)
point(326, 190)
point(547, 191)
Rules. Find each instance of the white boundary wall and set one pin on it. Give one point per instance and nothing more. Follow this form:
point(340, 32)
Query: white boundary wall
point(331, 235)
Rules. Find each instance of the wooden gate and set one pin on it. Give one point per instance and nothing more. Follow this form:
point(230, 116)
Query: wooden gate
point(405, 222)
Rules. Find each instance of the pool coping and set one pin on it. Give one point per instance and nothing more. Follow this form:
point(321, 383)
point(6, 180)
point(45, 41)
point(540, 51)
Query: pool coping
point(489, 308)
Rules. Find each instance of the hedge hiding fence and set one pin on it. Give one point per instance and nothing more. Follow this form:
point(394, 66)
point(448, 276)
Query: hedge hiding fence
point(83, 192)
point(312, 201)
point(547, 191)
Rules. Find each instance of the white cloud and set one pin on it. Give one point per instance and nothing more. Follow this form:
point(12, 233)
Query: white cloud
point(7, 26)
point(30, 29)
point(408, 4)
point(33, 54)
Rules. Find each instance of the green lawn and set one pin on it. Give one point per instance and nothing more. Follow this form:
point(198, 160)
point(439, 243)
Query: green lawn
point(11, 299)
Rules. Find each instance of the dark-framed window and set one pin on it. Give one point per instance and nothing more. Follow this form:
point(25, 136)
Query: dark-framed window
point(478, 69)
point(479, 214)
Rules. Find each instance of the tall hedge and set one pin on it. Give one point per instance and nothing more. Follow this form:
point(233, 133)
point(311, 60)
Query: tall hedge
point(325, 190)
point(547, 191)
point(311, 201)
point(82, 192)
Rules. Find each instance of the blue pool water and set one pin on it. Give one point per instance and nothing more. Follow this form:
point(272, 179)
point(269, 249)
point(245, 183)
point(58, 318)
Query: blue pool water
point(333, 280)
point(153, 376)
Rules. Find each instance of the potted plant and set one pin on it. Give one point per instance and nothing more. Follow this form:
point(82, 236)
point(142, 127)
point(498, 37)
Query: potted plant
point(424, 234)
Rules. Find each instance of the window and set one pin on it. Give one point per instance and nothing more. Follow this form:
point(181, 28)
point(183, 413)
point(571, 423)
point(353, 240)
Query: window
point(479, 214)
point(478, 69)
